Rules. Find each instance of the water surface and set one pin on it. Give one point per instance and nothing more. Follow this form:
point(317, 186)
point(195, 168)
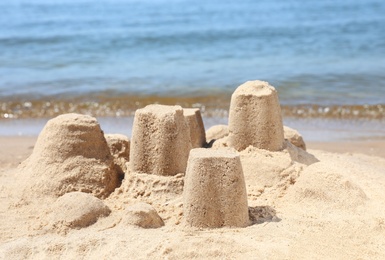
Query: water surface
point(66, 55)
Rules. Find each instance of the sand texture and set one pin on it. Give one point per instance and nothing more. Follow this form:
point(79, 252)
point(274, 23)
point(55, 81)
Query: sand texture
point(119, 146)
point(71, 154)
point(197, 130)
point(76, 193)
point(160, 141)
point(294, 137)
point(332, 209)
point(255, 117)
point(77, 210)
point(214, 190)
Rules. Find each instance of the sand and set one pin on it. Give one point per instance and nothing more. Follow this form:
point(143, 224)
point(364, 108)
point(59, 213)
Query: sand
point(160, 141)
point(70, 154)
point(71, 193)
point(255, 117)
point(338, 215)
point(214, 191)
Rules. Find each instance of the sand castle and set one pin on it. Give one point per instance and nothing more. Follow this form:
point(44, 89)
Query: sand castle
point(289, 199)
point(74, 155)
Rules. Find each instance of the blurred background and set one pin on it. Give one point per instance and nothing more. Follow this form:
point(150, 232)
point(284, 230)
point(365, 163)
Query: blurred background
point(108, 58)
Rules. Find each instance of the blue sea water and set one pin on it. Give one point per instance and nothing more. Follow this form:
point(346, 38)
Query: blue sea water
point(313, 52)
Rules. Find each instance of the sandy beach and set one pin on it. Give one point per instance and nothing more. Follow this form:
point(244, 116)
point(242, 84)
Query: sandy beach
point(171, 130)
point(63, 198)
point(328, 229)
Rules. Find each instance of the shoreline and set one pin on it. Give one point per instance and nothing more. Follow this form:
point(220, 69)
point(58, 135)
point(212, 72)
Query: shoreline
point(210, 106)
point(312, 129)
point(15, 149)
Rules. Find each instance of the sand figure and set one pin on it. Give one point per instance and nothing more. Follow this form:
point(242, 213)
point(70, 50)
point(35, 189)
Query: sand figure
point(160, 141)
point(71, 154)
point(197, 130)
point(214, 191)
point(255, 117)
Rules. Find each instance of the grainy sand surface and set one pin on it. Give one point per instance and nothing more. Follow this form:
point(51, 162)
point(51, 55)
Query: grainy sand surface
point(332, 209)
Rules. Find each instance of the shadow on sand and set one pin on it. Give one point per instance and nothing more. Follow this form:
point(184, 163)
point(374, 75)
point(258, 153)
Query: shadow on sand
point(261, 214)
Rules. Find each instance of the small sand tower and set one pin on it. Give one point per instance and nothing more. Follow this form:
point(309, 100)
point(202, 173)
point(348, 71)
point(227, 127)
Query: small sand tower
point(71, 154)
point(214, 190)
point(197, 129)
point(160, 141)
point(120, 150)
point(255, 117)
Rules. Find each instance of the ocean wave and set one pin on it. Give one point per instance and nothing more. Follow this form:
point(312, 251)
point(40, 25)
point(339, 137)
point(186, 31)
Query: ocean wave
point(210, 106)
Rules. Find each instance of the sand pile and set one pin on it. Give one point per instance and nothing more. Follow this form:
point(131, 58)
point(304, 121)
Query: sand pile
point(71, 154)
point(77, 210)
point(217, 132)
point(322, 184)
point(142, 215)
point(270, 174)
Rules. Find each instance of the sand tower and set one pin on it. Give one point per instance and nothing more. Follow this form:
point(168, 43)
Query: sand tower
point(160, 141)
point(214, 191)
point(120, 150)
point(255, 117)
point(197, 129)
point(71, 154)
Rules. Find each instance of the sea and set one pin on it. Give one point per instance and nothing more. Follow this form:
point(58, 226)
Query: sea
point(108, 58)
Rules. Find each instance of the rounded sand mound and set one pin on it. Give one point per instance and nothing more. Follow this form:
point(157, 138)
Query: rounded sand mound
point(321, 185)
point(77, 210)
point(142, 215)
point(217, 132)
point(71, 154)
